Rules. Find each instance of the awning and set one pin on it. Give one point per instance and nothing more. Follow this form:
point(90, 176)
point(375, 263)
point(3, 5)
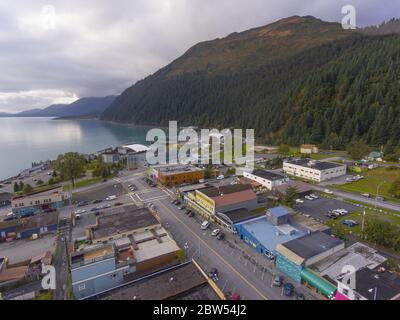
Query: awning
point(322, 285)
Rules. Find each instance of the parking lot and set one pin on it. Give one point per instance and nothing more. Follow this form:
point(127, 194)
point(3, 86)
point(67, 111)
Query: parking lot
point(319, 208)
point(100, 193)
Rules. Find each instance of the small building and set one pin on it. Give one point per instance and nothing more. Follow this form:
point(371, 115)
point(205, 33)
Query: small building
point(39, 202)
point(173, 175)
point(313, 170)
point(370, 285)
point(267, 179)
point(309, 149)
point(5, 199)
point(229, 219)
point(264, 236)
point(221, 199)
point(23, 228)
point(375, 156)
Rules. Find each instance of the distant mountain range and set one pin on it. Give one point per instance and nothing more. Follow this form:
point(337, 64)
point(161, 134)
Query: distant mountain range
point(298, 80)
point(81, 108)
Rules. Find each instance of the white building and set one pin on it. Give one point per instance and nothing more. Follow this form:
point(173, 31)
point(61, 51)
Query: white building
point(314, 170)
point(267, 179)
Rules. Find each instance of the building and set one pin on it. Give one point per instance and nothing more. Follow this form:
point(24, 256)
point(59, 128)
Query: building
point(375, 156)
point(173, 175)
point(264, 236)
point(111, 157)
point(229, 219)
point(99, 268)
point(370, 285)
point(358, 256)
point(295, 257)
point(182, 282)
point(5, 199)
point(39, 202)
point(267, 179)
point(302, 189)
point(309, 149)
point(25, 227)
point(122, 222)
point(317, 171)
point(212, 200)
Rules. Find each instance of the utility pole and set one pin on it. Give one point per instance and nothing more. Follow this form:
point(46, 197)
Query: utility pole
point(363, 224)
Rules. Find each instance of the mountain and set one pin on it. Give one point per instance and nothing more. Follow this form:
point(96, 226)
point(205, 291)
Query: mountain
point(297, 80)
point(80, 108)
point(389, 27)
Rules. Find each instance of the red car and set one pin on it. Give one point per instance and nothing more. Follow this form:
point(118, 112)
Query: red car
point(118, 204)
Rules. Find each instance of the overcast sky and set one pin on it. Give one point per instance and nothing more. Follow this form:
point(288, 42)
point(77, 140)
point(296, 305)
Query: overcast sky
point(57, 51)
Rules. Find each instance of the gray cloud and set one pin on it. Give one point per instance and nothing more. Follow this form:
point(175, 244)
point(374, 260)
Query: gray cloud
point(100, 47)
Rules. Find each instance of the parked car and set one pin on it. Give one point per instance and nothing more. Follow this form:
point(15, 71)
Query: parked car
point(314, 196)
point(181, 207)
point(221, 177)
point(366, 195)
point(221, 236)
point(187, 212)
point(82, 204)
point(97, 201)
point(278, 280)
point(205, 225)
point(299, 201)
point(309, 198)
point(117, 204)
point(215, 232)
point(300, 296)
point(111, 198)
point(213, 274)
point(350, 223)
point(327, 191)
point(288, 289)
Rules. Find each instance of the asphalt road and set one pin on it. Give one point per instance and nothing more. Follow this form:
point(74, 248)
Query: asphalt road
point(236, 272)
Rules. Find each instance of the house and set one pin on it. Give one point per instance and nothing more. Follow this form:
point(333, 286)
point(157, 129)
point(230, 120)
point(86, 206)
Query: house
point(267, 179)
point(39, 202)
point(173, 175)
point(375, 156)
point(5, 199)
point(369, 285)
point(210, 201)
point(25, 227)
point(309, 149)
point(312, 170)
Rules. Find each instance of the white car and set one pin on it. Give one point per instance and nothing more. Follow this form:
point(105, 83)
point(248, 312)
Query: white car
point(327, 191)
point(111, 198)
point(205, 225)
point(80, 211)
point(299, 201)
point(215, 232)
point(221, 177)
point(314, 196)
point(309, 198)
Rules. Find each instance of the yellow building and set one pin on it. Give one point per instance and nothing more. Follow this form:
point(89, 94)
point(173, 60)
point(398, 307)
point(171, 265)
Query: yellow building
point(171, 176)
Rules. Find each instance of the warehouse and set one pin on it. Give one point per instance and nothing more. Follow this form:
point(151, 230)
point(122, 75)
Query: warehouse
point(267, 179)
point(313, 170)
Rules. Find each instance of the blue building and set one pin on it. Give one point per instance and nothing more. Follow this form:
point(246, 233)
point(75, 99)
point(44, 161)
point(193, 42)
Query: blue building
point(263, 235)
point(26, 227)
point(100, 268)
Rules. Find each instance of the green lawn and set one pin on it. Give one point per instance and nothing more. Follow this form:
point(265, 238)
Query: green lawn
point(83, 183)
point(373, 178)
point(334, 154)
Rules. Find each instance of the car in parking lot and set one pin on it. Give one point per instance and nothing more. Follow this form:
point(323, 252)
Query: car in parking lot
point(97, 201)
point(327, 191)
point(111, 198)
point(187, 212)
point(309, 198)
point(215, 232)
point(278, 280)
point(82, 204)
point(300, 296)
point(79, 211)
point(205, 225)
point(299, 201)
point(350, 223)
point(288, 289)
point(331, 216)
point(314, 196)
point(117, 204)
point(181, 207)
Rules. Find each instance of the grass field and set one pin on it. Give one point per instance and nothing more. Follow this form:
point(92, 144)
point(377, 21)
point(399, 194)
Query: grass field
point(378, 177)
point(333, 154)
point(83, 183)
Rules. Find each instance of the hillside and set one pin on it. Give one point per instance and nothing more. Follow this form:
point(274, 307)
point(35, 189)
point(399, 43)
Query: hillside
point(297, 80)
point(80, 108)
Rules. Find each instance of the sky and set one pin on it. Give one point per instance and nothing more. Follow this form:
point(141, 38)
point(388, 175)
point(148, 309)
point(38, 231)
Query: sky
point(58, 51)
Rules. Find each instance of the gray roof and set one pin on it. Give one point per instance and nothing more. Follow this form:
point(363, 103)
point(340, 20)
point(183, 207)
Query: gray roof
point(269, 175)
point(319, 165)
point(313, 244)
point(5, 196)
point(238, 215)
point(217, 191)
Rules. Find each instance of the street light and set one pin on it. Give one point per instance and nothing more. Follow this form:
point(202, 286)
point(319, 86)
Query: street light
point(377, 193)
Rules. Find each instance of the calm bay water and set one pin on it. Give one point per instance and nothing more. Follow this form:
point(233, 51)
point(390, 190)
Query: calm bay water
point(24, 140)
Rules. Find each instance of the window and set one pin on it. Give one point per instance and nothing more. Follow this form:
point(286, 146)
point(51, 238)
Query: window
point(346, 292)
point(82, 287)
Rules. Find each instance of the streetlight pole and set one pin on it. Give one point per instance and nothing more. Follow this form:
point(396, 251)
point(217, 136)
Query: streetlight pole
point(377, 193)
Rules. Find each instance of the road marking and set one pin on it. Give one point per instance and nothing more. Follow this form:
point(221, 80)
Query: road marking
point(217, 254)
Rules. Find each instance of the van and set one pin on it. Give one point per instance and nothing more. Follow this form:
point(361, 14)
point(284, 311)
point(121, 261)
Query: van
point(205, 225)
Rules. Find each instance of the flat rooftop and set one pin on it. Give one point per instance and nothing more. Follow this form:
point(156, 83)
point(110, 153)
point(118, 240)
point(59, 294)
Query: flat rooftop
point(313, 164)
point(301, 187)
point(268, 234)
point(155, 248)
point(33, 222)
point(123, 219)
point(92, 254)
point(313, 244)
point(238, 215)
point(269, 175)
point(213, 192)
point(358, 255)
point(176, 169)
point(177, 283)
